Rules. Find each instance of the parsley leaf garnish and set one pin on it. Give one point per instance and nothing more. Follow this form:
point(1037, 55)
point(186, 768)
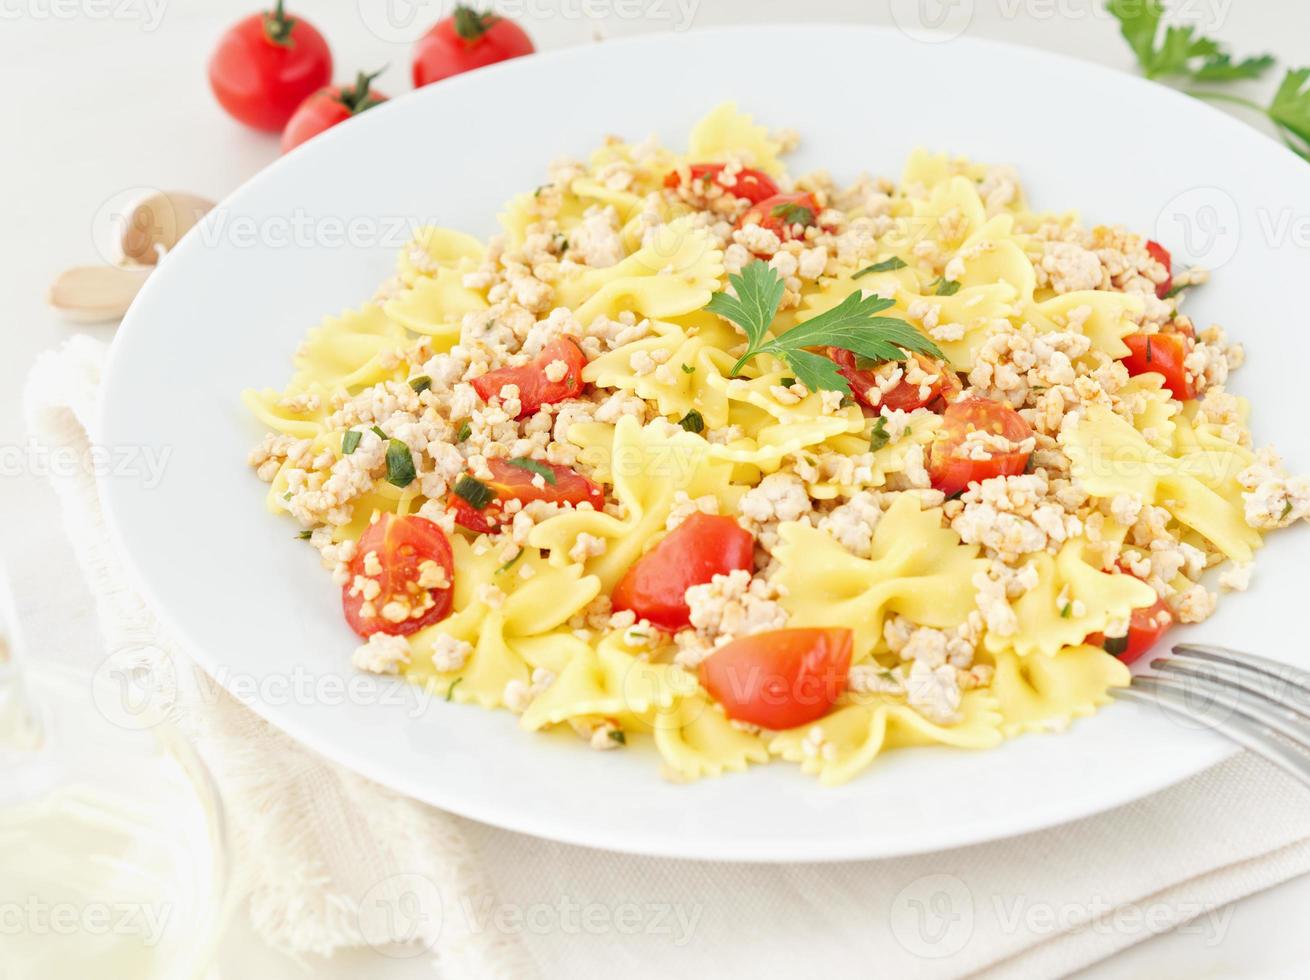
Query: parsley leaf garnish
point(533, 466)
point(1180, 52)
point(879, 436)
point(350, 441)
point(476, 493)
point(887, 265)
point(850, 325)
point(945, 287)
point(693, 421)
point(400, 464)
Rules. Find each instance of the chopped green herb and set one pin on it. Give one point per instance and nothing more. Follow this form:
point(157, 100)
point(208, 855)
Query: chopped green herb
point(1287, 509)
point(305, 535)
point(688, 369)
point(350, 441)
point(287, 495)
point(879, 437)
point(693, 421)
point(618, 735)
point(946, 287)
point(533, 466)
point(400, 464)
point(786, 382)
point(420, 384)
point(465, 430)
point(450, 691)
point(793, 214)
point(511, 563)
point(1066, 610)
point(474, 492)
point(377, 431)
point(1115, 645)
point(886, 265)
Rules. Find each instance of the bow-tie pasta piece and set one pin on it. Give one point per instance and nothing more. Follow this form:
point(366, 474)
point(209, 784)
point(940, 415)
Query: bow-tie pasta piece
point(695, 739)
point(728, 134)
point(356, 349)
point(433, 249)
point(434, 307)
point(1046, 693)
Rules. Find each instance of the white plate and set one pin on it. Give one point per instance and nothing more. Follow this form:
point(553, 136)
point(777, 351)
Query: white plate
point(228, 308)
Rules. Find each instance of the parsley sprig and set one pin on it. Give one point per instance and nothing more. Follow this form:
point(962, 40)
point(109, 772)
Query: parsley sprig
point(853, 325)
point(1181, 53)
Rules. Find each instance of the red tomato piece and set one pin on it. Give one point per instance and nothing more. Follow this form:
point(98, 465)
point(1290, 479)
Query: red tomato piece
point(948, 465)
point(1163, 354)
point(779, 679)
point(786, 215)
point(416, 578)
point(751, 185)
point(329, 106)
point(533, 380)
point(1161, 255)
point(466, 40)
point(1146, 625)
point(266, 65)
point(903, 395)
point(516, 482)
point(702, 546)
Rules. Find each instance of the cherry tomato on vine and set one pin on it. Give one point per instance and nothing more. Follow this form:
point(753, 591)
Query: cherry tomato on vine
point(329, 106)
point(266, 65)
point(466, 40)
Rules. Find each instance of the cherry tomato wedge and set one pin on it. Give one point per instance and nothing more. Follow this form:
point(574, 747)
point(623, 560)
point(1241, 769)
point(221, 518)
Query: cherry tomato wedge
point(327, 107)
point(466, 40)
point(752, 185)
point(520, 482)
point(949, 464)
point(702, 546)
point(903, 395)
point(266, 65)
point(1164, 354)
point(1145, 627)
point(1161, 255)
point(779, 679)
point(407, 582)
point(783, 214)
point(534, 379)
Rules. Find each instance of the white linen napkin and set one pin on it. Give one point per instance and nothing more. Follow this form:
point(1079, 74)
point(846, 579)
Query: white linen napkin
point(331, 860)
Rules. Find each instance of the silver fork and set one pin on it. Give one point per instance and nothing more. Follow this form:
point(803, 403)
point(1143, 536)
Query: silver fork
point(1259, 703)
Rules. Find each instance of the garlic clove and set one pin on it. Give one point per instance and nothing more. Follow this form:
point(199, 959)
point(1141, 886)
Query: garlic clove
point(96, 293)
point(157, 222)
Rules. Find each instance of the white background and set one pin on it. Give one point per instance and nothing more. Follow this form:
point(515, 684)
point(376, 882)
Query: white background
point(104, 96)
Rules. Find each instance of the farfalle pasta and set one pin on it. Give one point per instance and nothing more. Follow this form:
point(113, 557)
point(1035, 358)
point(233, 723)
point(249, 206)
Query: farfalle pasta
point(708, 460)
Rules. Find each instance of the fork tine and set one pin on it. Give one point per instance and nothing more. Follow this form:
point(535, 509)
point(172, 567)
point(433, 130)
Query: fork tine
point(1237, 726)
point(1284, 673)
point(1255, 706)
point(1253, 683)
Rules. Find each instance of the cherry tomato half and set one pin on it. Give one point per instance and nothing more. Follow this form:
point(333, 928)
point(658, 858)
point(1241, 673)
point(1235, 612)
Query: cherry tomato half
point(951, 469)
point(534, 379)
point(786, 215)
point(327, 107)
point(779, 679)
point(751, 185)
point(1146, 625)
point(902, 395)
point(466, 40)
point(517, 482)
point(1161, 255)
point(1163, 354)
point(266, 65)
point(702, 546)
point(414, 574)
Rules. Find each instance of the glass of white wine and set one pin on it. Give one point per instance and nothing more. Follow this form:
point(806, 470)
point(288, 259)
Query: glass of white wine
point(112, 839)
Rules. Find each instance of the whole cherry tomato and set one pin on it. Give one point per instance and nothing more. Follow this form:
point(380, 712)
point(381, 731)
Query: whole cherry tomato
point(466, 40)
point(329, 106)
point(266, 65)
